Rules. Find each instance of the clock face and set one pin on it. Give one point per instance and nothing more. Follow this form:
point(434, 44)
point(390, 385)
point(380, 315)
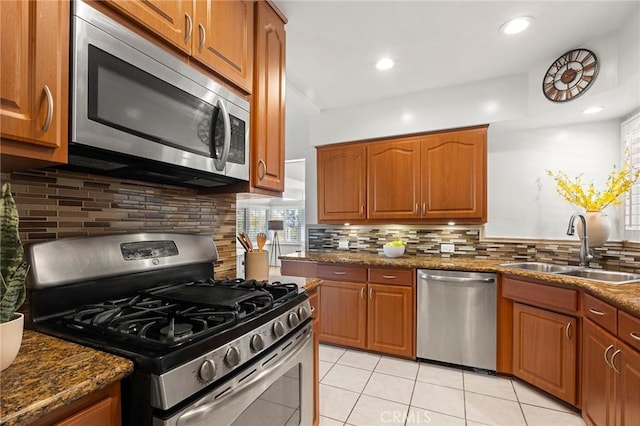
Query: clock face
point(570, 75)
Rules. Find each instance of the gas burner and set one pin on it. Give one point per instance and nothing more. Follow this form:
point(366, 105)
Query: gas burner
point(174, 332)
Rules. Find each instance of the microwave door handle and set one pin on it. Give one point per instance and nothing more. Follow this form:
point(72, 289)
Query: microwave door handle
point(222, 161)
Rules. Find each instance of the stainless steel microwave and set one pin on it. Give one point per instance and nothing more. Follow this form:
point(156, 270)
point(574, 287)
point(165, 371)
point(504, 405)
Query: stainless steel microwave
point(140, 112)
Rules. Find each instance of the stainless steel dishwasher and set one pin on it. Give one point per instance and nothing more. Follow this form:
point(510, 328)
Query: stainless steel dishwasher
point(456, 319)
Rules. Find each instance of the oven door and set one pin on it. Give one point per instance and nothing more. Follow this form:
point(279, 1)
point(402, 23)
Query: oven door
point(276, 390)
point(131, 97)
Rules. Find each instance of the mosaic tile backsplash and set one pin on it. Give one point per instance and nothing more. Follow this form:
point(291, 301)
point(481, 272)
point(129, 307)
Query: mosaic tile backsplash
point(468, 241)
point(57, 204)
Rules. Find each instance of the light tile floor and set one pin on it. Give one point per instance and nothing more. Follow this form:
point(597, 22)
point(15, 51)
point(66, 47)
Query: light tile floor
point(363, 389)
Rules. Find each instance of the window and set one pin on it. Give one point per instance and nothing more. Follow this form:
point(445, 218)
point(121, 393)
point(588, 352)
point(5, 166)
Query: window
point(252, 221)
point(293, 219)
point(630, 133)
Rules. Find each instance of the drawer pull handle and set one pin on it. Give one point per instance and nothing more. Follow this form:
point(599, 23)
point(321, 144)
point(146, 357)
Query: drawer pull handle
point(567, 331)
point(189, 27)
point(47, 121)
point(593, 311)
point(634, 335)
point(606, 351)
point(339, 273)
point(203, 37)
point(613, 360)
point(389, 277)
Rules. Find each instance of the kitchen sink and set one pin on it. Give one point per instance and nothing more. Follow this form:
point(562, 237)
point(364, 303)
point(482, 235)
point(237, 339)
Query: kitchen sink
point(540, 267)
point(609, 277)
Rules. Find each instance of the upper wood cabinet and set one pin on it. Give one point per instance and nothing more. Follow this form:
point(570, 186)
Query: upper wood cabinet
point(223, 38)
point(393, 179)
point(435, 178)
point(344, 168)
point(170, 20)
point(34, 60)
point(267, 106)
point(454, 175)
point(217, 34)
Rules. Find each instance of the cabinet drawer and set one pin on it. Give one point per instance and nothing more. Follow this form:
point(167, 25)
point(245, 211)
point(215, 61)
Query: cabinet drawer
point(391, 276)
point(601, 313)
point(629, 329)
point(555, 298)
point(342, 272)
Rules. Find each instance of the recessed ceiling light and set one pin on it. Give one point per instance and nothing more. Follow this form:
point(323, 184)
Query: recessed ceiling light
point(516, 25)
point(384, 64)
point(592, 110)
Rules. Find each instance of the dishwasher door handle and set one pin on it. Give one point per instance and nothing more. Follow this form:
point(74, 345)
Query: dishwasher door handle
point(456, 279)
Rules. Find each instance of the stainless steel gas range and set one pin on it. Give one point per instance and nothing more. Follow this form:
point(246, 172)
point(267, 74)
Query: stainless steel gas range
point(206, 351)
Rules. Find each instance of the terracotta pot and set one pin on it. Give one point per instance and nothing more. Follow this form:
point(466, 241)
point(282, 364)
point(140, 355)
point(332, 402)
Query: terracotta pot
point(10, 340)
point(598, 228)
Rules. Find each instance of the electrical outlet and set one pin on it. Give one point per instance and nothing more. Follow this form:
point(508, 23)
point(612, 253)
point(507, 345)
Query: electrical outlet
point(447, 248)
point(343, 245)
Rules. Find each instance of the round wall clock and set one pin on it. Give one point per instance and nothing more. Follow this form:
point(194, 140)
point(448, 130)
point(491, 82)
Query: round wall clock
point(570, 75)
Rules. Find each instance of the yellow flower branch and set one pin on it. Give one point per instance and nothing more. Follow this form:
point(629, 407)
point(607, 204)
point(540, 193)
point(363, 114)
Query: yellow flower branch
point(573, 190)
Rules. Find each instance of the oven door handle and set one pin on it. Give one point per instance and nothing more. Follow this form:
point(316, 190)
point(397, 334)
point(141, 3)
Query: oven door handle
point(222, 161)
point(203, 412)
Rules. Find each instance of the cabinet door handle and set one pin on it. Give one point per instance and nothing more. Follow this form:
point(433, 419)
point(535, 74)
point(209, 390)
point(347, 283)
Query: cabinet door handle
point(47, 121)
point(424, 209)
point(189, 30)
point(606, 351)
point(389, 277)
point(567, 331)
point(362, 293)
point(613, 360)
point(362, 209)
point(593, 311)
point(415, 210)
point(263, 168)
point(312, 310)
point(370, 294)
point(339, 273)
point(203, 37)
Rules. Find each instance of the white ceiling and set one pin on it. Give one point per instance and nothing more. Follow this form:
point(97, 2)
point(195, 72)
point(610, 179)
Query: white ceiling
point(332, 46)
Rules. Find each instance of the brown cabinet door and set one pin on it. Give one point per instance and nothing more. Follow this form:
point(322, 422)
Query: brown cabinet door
point(34, 60)
point(172, 20)
point(344, 313)
point(393, 179)
point(544, 350)
point(627, 362)
point(390, 319)
point(597, 376)
point(267, 114)
point(454, 169)
point(223, 39)
point(342, 183)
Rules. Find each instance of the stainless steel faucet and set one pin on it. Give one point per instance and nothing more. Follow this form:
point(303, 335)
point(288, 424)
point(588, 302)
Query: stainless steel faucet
point(585, 256)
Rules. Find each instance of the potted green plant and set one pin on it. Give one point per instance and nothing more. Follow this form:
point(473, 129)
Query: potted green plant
point(13, 276)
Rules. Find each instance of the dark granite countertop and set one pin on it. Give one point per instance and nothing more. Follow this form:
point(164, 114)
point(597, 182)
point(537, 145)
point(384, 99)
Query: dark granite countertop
point(625, 297)
point(49, 373)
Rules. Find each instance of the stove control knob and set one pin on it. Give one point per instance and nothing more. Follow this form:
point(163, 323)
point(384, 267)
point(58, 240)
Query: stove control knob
point(293, 319)
point(232, 357)
point(303, 313)
point(257, 344)
point(278, 329)
point(207, 371)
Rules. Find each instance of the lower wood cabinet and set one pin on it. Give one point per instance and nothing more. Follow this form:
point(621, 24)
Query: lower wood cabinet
point(610, 379)
point(545, 350)
point(101, 408)
point(369, 315)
